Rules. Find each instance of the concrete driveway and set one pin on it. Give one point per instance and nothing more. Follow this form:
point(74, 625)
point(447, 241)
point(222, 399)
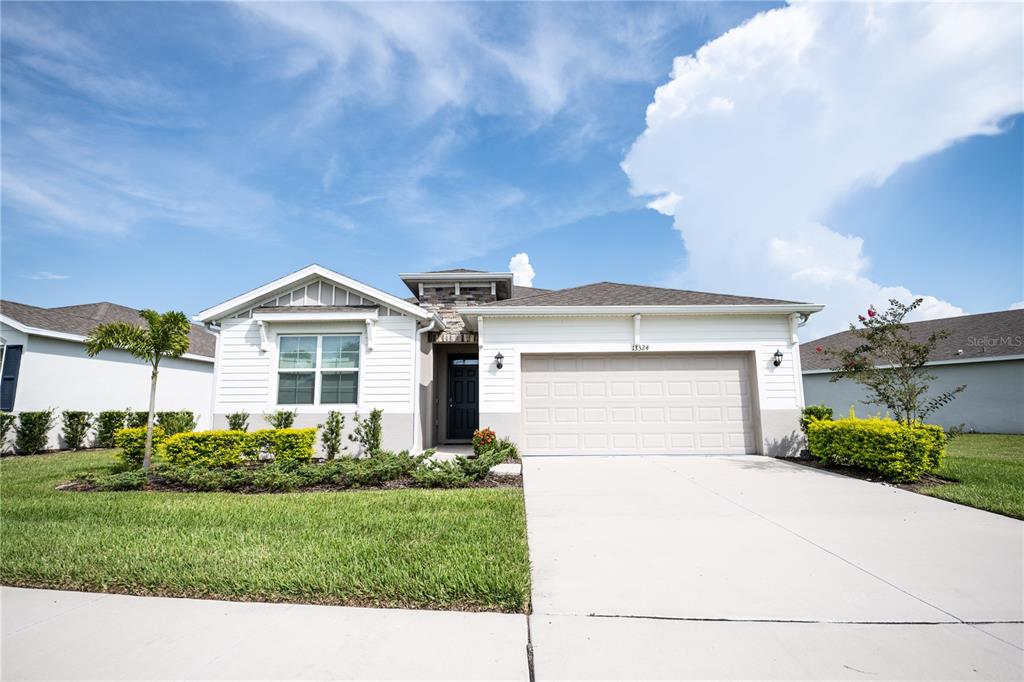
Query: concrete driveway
point(726, 567)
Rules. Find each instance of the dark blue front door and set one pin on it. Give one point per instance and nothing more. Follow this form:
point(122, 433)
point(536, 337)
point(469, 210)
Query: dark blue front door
point(463, 409)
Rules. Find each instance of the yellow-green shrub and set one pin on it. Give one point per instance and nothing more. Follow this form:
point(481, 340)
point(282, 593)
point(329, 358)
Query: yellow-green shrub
point(133, 444)
point(286, 445)
point(899, 452)
point(209, 448)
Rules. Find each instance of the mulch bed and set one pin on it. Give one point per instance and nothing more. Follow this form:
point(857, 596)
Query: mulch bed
point(490, 481)
point(926, 481)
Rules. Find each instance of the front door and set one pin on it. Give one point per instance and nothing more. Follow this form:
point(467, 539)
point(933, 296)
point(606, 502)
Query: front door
point(463, 411)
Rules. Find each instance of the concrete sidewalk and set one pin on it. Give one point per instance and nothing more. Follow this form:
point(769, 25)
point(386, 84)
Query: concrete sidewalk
point(49, 634)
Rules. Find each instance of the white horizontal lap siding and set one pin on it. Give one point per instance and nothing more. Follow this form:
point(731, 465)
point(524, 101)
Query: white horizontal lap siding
point(386, 379)
point(243, 371)
point(777, 387)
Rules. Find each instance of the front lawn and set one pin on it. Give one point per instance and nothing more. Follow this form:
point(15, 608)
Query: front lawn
point(463, 549)
point(988, 473)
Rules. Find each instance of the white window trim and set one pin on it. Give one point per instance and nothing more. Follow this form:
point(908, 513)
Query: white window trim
point(317, 371)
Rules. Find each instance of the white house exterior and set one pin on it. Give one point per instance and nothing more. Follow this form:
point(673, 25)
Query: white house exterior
point(45, 366)
point(983, 352)
point(602, 369)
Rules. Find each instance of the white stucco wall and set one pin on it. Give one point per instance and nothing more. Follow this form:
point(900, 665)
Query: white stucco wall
point(59, 374)
point(992, 403)
point(779, 391)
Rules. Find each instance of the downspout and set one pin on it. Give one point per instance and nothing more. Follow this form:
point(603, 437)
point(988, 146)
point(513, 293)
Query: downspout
point(417, 437)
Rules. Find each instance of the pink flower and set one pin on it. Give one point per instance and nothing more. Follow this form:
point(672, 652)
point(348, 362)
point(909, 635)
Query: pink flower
point(817, 349)
point(871, 312)
point(861, 318)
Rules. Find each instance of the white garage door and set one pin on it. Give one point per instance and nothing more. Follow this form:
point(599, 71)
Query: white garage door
point(679, 403)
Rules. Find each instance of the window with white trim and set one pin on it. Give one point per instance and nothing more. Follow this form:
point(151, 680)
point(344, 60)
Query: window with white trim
point(318, 370)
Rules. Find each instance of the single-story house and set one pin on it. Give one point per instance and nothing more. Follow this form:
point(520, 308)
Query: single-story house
point(984, 352)
point(599, 369)
point(45, 365)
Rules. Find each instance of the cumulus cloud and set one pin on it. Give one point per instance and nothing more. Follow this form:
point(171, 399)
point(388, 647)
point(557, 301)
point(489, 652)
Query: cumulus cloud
point(760, 132)
point(522, 271)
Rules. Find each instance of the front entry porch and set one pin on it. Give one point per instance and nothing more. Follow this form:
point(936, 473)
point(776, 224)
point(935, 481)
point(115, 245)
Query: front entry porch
point(456, 394)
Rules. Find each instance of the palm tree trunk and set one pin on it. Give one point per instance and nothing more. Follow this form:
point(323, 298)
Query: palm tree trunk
point(148, 456)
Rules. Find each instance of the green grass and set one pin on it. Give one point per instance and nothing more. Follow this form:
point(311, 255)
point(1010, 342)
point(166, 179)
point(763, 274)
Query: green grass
point(463, 549)
point(988, 470)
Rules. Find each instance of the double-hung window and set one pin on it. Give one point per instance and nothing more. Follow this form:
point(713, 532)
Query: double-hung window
point(318, 370)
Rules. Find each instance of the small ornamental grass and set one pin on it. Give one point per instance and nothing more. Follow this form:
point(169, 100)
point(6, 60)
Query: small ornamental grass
point(899, 452)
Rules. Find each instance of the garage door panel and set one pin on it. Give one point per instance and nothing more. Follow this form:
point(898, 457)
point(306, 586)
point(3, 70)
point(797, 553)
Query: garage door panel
point(637, 403)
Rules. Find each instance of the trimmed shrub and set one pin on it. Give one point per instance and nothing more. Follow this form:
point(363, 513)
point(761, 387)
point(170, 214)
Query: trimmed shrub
point(7, 420)
point(30, 435)
point(435, 474)
point(286, 445)
point(282, 419)
point(136, 419)
point(132, 442)
point(133, 479)
point(368, 432)
point(176, 422)
point(76, 427)
point(238, 421)
point(107, 423)
point(813, 412)
point(331, 436)
point(899, 452)
point(483, 439)
point(209, 448)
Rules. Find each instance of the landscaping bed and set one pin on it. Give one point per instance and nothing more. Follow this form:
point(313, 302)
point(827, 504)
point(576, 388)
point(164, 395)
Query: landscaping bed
point(393, 547)
point(981, 470)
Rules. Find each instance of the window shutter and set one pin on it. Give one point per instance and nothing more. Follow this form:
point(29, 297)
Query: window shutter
point(9, 377)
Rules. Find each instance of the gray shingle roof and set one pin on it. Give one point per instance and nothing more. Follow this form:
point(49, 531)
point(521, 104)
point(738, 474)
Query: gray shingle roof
point(82, 319)
point(612, 293)
point(453, 270)
point(985, 335)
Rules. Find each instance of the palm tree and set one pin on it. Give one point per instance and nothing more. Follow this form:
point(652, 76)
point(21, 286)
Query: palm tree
point(164, 336)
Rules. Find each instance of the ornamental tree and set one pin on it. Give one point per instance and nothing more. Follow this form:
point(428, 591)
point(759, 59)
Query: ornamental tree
point(164, 336)
point(890, 363)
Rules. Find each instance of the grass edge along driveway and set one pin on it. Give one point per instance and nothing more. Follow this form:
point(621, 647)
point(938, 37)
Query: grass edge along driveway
point(986, 471)
point(440, 549)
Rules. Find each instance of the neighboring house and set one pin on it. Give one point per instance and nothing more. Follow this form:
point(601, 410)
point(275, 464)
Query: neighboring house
point(598, 369)
point(45, 365)
point(984, 352)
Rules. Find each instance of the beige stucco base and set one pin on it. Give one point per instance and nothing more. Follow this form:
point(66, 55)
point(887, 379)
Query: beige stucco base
point(780, 433)
point(397, 428)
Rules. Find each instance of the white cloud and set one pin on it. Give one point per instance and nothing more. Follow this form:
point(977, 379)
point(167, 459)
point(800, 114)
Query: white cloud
point(47, 275)
point(522, 271)
point(821, 98)
point(1019, 305)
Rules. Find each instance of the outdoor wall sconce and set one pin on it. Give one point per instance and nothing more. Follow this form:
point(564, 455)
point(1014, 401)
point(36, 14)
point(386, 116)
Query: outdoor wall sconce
point(777, 358)
point(498, 359)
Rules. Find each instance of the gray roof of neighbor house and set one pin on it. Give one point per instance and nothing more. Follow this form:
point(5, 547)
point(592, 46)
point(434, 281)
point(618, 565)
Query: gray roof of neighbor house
point(517, 292)
point(612, 293)
point(971, 337)
point(82, 319)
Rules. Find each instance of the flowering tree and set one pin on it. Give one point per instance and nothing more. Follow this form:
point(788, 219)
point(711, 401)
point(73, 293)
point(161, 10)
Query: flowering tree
point(890, 363)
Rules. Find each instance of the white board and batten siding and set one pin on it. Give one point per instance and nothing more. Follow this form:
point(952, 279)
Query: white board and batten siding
point(731, 353)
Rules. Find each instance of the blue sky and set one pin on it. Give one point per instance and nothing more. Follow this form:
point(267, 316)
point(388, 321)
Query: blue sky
point(171, 156)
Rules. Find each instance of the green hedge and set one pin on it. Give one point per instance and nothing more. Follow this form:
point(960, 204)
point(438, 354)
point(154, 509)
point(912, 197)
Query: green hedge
point(227, 448)
point(133, 443)
point(286, 445)
point(899, 452)
point(209, 448)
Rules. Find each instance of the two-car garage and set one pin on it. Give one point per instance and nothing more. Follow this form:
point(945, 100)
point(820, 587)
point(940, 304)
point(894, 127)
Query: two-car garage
point(644, 403)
